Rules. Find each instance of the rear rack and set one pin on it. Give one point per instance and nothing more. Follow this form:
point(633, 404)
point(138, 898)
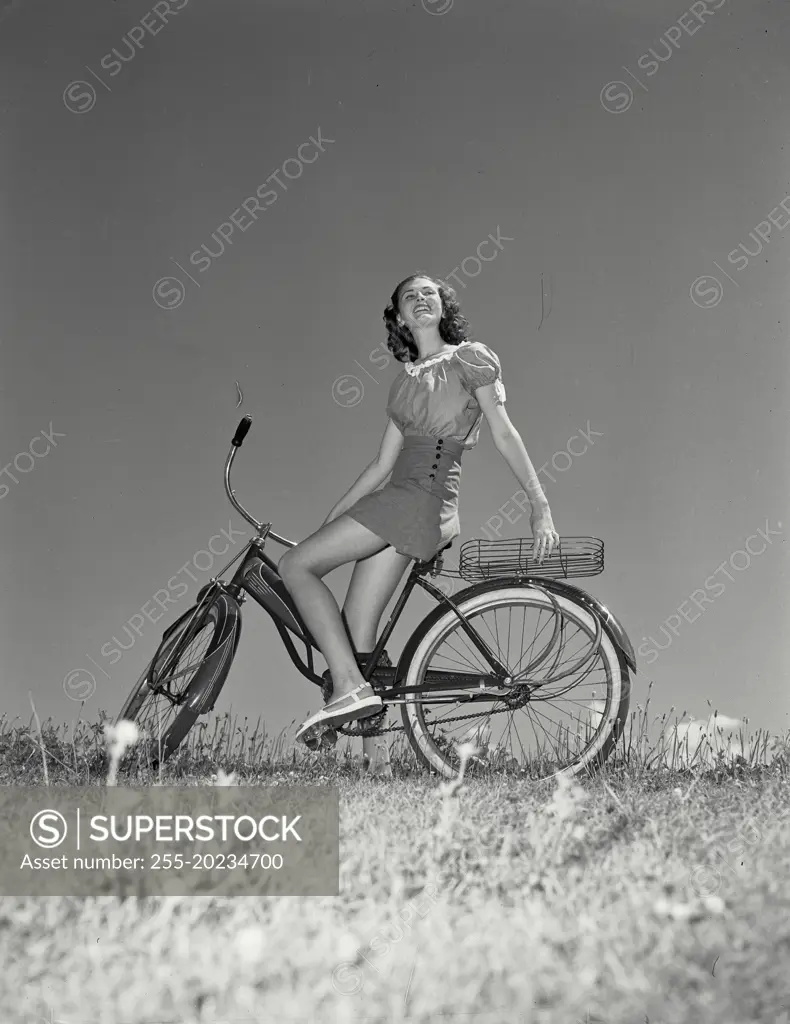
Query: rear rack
point(487, 559)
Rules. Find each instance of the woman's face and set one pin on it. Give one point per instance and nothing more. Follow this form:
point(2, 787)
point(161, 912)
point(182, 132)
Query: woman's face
point(420, 304)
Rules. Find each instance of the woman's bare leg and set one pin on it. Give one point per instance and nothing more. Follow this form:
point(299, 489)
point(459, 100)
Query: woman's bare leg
point(370, 590)
point(302, 568)
point(372, 585)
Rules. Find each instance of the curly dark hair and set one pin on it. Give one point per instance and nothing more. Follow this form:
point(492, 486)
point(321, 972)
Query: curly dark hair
point(453, 326)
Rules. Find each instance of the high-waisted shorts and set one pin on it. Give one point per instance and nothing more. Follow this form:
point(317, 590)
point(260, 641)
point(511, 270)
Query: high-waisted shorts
point(416, 511)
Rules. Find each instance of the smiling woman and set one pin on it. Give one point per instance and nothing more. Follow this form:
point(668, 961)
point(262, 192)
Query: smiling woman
point(436, 406)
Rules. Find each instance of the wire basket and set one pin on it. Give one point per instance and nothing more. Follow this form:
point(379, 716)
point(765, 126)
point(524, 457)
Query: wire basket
point(487, 559)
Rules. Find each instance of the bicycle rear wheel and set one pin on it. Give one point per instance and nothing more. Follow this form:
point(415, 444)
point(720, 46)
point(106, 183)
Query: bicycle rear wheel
point(184, 677)
point(561, 715)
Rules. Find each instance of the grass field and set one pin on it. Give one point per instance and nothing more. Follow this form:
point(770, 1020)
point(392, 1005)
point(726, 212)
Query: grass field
point(649, 893)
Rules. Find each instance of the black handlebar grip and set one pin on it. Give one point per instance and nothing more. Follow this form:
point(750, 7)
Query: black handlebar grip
point(241, 431)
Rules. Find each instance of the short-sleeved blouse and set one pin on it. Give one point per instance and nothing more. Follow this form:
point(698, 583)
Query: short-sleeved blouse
point(436, 397)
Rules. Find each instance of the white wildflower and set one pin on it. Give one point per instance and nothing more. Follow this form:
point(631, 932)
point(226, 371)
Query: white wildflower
point(121, 736)
point(661, 907)
point(249, 944)
point(714, 904)
point(677, 911)
point(566, 799)
point(466, 750)
point(346, 947)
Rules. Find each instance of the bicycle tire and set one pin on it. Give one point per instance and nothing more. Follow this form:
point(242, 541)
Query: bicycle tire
point(438, 754)
point(200, 691)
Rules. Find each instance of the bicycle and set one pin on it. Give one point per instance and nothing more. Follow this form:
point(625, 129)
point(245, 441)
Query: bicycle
point(453, 661)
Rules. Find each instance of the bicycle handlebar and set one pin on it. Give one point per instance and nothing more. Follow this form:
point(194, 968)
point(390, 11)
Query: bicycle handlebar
point(238, 439)
point(241, 432)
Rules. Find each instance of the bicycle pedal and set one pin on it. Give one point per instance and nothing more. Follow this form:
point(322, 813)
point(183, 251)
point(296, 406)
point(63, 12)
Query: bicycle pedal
point(328, 738)
point(311, 740)
point(320, 737)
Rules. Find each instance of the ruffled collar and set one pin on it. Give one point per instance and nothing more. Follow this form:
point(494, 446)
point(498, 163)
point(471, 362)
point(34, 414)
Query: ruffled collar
point(413, 369)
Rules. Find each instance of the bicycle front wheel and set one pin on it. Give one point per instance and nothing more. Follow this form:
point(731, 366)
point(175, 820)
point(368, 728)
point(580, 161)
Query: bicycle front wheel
point(563, 710)
point(184, 677)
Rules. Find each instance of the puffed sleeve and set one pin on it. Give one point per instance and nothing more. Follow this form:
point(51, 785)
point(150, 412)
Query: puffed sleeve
point(477, 366)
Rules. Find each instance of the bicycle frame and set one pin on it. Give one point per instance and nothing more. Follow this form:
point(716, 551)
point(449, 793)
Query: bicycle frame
point(258, 577)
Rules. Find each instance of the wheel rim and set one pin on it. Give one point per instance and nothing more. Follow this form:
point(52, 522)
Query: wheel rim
point(155, 713)
point(573, 677)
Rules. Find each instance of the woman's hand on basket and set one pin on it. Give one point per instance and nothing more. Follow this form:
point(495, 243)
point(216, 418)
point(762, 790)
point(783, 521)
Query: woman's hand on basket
point(544, 535)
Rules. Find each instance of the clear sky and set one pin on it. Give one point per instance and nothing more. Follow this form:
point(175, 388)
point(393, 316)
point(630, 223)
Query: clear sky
point(449, 122)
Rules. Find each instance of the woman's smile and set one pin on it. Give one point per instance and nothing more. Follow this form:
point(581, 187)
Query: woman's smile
point(420, 303)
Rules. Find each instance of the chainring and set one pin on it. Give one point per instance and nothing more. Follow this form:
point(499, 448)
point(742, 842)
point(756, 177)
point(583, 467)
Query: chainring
point(364, 727)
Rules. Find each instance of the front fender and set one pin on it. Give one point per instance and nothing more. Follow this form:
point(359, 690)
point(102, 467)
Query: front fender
point(215, 664)
point(613, 627)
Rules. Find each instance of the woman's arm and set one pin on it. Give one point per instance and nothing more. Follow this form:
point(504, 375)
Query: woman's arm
point(510, 446)
point(374, 474)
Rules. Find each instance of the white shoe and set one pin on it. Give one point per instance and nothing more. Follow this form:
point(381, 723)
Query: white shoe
point(347, 708)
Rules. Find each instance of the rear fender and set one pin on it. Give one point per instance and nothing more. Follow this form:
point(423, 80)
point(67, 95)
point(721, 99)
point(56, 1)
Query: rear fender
point(609, 623)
